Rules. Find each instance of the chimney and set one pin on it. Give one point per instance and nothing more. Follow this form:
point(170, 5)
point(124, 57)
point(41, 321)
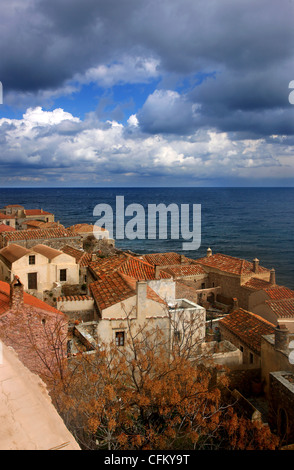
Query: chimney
point(235, 303)
point(94, 257)
point(209, 252)
point(183, 259)
point(281, 337)
point(273, 277)
point(16, 294)
point(141, 288)
point(255, 265)
point(157, 272)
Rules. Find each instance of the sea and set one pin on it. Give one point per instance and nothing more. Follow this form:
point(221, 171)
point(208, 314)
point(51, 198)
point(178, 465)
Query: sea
point(244, 222)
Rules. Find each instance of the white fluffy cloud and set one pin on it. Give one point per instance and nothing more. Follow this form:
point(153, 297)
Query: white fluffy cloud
point(71, 150)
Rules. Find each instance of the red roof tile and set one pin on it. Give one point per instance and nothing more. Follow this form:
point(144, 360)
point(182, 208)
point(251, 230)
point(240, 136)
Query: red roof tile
point(30, 212)
point(6, 228)
point(248, 327)
point(82, 257)
point(229, 264)
point(29, 300)
point(164, 259)
point(279, 293)
point(282, 308)
point(6, 216)
point(127, 264)
point(117, 288)
point(38, 234)
point(182, 271)
point(256, 284)
point(85, 228)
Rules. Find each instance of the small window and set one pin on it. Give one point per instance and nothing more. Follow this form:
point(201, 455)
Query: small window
point(32, 280)
point(251, 358)
point(7, 222)
point(32, 259)
point(241, 349)
point(62, 276)
point(177, 336)
point(203, 285)
point(120, 338)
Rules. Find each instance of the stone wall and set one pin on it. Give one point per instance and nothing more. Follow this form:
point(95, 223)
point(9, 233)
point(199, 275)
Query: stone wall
point(249, 356)
point(246, 379)
point(281, 410)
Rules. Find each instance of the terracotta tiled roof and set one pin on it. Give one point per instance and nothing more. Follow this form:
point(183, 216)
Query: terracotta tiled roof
point(14, 205)
point(82, 257)
point(140, 270)
point(33, 223)
point(12, 253)
point(85, 228)
point(279, 293)
point(30, 212)
point(117, 288)
point(38, 234)
point(248, 327)
point(6, 228)
point(181, 271)
point(230, 264)
point(282, 308)
point(129, 265)
point(6, 216)
point(29, 300)
point(164, 259)
point(256, 284)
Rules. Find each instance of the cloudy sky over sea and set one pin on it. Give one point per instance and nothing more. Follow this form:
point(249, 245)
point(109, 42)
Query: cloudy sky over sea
point(143, 93)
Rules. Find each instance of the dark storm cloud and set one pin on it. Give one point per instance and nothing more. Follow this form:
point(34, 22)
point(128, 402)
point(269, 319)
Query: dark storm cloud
point(220, 66)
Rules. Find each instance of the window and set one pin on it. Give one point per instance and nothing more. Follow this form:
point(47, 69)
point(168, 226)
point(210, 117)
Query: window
point(177, 336)
point(32, 259)
point(203, 285)
point(32, 280)
point(62, 275)
point(241, 349)
point(251, 358)
point(7, 222)
point(120, 338)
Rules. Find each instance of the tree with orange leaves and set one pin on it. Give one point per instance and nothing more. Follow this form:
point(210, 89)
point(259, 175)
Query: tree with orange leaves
point(144, 396)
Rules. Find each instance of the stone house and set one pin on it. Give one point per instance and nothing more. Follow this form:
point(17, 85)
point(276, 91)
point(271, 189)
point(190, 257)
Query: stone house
point(53, 237)
point(274, 308)
point(245, 330)
point(7, 220)
point(122, 302)
point(34, 329)
point(39, 224)
point(232, 275)
point(76, 307)
point(39, 268)
point(83, 259)
point(137, 268)
point(12, 209)
point(88, 230)
point(277, 370)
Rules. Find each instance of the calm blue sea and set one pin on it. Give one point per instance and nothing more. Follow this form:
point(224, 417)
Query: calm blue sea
point(242, 222)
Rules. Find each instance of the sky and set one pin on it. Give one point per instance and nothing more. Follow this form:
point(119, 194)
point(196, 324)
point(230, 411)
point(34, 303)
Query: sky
point(130, 93)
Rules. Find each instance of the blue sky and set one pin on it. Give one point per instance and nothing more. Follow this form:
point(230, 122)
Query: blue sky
point(130, 93)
